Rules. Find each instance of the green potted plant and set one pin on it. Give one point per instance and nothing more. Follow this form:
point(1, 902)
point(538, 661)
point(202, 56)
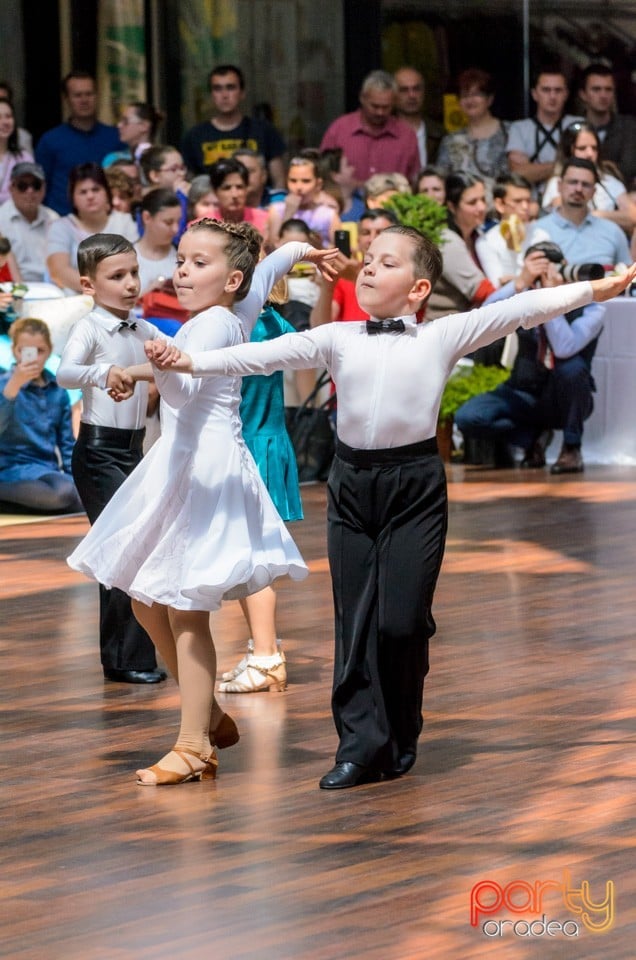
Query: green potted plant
point(465, 382)
point(419, 211)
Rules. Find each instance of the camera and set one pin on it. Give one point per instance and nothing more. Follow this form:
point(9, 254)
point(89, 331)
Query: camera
point(571, 272)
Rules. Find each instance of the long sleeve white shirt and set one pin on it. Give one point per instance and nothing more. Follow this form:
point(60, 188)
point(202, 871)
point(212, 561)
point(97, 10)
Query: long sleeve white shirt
point(390, 385)
point(95, 344)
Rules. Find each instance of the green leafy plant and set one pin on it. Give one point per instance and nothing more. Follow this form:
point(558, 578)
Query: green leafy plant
point(467, 382)
point(419, 211)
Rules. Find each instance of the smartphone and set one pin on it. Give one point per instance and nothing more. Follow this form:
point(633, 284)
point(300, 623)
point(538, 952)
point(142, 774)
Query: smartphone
point(343, 242)
point(28, 354)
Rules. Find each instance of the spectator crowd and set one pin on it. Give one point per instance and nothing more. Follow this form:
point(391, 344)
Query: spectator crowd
point(526, 200)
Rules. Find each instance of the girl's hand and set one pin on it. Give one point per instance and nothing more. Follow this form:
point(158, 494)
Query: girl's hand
point(611, 287)
point(161, 353)
point(329, 262)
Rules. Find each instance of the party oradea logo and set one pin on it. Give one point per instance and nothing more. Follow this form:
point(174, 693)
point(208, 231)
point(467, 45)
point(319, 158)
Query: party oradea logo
point(491, 905)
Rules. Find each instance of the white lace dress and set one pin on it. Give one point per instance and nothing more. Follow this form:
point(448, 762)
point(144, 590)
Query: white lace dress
point(194, 524)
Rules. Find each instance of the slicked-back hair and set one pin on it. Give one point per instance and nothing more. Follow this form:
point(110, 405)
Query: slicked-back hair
point(427, 259)
point(98, 247)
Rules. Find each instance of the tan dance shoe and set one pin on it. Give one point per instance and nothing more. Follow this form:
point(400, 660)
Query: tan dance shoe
point(204, 768)
point(225, 734)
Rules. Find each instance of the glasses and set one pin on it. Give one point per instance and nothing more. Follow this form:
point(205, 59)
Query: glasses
point(126, 121)
point(175, 168)
point(24, 185)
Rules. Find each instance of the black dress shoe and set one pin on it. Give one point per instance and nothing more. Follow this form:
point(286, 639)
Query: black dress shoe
point(135, 676)
point(535, 455)
point(348, 774)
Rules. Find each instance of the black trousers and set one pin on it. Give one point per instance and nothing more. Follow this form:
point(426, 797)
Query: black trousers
point(387, 521)
point(102, 459)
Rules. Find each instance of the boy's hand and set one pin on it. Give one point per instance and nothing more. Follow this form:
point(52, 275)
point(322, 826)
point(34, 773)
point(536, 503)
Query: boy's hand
point(329, 262)
point(119, 384)
point(611, 287)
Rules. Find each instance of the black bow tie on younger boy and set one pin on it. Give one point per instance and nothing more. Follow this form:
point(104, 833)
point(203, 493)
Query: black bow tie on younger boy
point(385, 326)
point(125, 325)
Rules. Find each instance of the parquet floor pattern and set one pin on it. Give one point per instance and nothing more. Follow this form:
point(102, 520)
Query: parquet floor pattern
point(525, 769)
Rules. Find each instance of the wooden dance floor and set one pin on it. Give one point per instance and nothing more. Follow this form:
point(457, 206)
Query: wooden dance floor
point(524, 776)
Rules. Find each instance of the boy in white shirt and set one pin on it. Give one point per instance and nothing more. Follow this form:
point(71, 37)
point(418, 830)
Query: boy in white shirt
point(111, 435)
point(387, 509)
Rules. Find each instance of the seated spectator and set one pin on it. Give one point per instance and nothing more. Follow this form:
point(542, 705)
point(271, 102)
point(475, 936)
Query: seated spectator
point(229, 128)
point(137, 126)
point(10, 151)
point(550, 388)
point(133, 172)
point(338, 173)
point(122, 189)
point(304, 185)
point(610, 199)
point(582, 237)
point(81, 139)
point(372, 138)
point(229, 179)
point(463, 284)
point(431, 181)
point(25, 140)
point(201, 198)
point(36, 438)
point(25, 221)
point(480, 147)
point(259, 193)
point(381, 187)
point(533, 142)
point(93, 212)
point(164, 167)
point(617, 131)
point(160, 213)
point(499, 248)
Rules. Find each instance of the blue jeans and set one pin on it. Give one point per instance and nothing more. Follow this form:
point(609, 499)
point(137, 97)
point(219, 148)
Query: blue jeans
point(54, 492)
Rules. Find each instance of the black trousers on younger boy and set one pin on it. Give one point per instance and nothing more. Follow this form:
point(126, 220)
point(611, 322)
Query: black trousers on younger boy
point(102, 459)
point(387, 520)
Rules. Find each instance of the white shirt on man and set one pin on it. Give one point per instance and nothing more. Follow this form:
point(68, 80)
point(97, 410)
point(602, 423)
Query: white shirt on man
point(28, 239)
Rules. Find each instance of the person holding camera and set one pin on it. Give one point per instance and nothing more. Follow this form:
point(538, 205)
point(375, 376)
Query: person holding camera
point(582, 237)
point(550, 386)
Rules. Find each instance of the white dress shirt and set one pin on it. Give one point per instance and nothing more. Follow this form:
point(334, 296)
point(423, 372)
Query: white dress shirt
point(390, 385)
point(96, 343)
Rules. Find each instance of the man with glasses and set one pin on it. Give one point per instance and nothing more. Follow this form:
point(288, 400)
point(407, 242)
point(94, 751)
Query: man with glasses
point(582, 237)
point(80, 139)
point(229, 129)
point(24, 220)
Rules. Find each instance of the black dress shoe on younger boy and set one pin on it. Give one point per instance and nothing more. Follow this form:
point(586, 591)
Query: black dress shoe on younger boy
point(135, 676)
point(348, 774)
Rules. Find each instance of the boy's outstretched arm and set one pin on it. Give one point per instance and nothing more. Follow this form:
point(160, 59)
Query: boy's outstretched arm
point(610, 287)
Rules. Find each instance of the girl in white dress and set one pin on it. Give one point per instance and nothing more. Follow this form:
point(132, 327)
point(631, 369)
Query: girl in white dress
point(194, 524)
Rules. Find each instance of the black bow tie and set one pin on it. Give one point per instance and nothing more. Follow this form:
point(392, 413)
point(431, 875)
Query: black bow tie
point(124, 325)
point(385, 326)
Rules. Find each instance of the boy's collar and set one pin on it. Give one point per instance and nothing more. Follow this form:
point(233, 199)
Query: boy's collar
point(109, 320)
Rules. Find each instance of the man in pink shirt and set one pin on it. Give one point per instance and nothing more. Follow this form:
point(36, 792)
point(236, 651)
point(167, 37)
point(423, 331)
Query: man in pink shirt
point(373, 140)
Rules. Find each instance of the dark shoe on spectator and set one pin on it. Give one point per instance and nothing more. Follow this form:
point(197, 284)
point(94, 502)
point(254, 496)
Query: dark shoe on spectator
point(502, 457)
point(135, 676)
point(570, 460)
point(535, 455)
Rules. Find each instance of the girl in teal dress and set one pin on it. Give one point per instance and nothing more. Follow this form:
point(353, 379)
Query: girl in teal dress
point(263, 414)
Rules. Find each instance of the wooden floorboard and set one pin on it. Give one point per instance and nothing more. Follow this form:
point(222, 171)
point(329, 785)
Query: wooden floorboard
point(526, 764)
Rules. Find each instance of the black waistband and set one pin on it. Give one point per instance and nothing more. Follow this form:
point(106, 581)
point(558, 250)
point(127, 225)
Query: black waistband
point(372, 458)
point(112, 436)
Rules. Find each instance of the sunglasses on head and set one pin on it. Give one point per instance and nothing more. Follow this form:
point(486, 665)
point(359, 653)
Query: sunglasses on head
point(24, 185)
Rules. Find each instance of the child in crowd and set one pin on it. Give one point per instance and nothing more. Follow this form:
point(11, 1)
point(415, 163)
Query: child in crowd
point(195, 525)
point(35, 427)
point(160, 213)
point(110, 440)
point(163, 166)
point(387, 504)
point(304, 185)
